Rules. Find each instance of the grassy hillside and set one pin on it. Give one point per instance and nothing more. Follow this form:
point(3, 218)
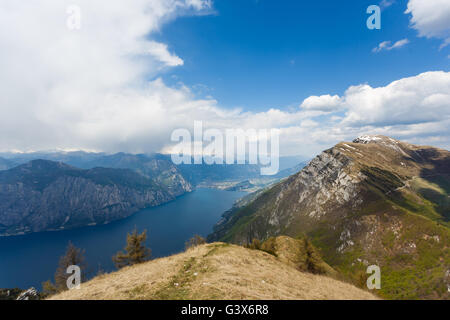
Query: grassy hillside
point(218, 271)
point(372, 201)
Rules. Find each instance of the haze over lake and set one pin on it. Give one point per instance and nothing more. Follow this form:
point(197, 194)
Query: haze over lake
point(29, 260)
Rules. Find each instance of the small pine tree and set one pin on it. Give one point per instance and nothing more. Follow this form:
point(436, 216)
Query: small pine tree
point(73, 256)
point(195, 241)
point(135, 251)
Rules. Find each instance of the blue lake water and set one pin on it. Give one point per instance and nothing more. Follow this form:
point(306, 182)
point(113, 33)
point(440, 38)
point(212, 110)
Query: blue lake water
point(29, 260)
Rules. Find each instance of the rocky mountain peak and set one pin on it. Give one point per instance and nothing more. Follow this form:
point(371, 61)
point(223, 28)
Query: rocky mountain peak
point(375, 200)
point(366, 139)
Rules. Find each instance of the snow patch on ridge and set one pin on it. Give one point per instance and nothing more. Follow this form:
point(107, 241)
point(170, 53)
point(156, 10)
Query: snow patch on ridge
point(366, 139)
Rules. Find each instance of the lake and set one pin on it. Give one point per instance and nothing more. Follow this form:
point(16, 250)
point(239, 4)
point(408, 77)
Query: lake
point(29, 260)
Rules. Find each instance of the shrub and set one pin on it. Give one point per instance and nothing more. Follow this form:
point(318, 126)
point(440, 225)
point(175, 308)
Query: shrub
point(195, 241)
point(270, 246)
point(254, 245)
point(135, 251)
point(312, 262)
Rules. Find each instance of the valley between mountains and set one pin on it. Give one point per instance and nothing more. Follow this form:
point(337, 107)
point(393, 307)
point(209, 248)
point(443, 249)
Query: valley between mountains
point(372, 201)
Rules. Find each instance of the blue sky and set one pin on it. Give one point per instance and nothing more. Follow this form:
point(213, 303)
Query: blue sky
point(262, 54)
point(114, 75)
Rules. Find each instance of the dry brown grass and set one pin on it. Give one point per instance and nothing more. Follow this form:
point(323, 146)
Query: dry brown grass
point(214, 271)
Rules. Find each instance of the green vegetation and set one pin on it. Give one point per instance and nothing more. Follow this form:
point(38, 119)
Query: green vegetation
point(383, 180)
point(312, 262)
point(177, 288)
point(242, 217)
point(437, 195)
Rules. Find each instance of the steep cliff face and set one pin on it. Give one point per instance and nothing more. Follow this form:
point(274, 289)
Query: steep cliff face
point(45, 195)
point(375, 200)
point(157, 167)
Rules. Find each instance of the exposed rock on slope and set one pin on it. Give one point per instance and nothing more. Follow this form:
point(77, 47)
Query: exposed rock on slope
point(375, 200)
point(18, 294)
point(45, 195)
point(30, 294)
point(157, 167)
point(214, 271)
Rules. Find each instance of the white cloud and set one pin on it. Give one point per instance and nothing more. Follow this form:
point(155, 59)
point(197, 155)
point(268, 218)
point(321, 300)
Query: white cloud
point(89, 89)
point(321, 103)
point(200, 4)
point(419, 99)
point(160, 52)
point(416, 109)
point(431, 18)
point(385, 45)
point(400, 43)
point(85, 88)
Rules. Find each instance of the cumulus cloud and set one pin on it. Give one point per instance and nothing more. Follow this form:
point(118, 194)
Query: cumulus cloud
point(99, 87)
point(321, 103)
point(386, 45)
point(419, 99)
point(431, 18)
point(415, 108)
point(86, 88)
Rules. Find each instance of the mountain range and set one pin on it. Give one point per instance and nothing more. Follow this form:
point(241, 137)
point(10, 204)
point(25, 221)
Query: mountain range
point(375, 200)
point(44, 195)
point(156, 165)
point(372, 201)
point(62, 190)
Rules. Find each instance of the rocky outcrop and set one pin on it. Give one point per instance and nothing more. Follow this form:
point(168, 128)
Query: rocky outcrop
point(18, 294)
point(45, 195)
point(157, 167)
point(30, 294)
